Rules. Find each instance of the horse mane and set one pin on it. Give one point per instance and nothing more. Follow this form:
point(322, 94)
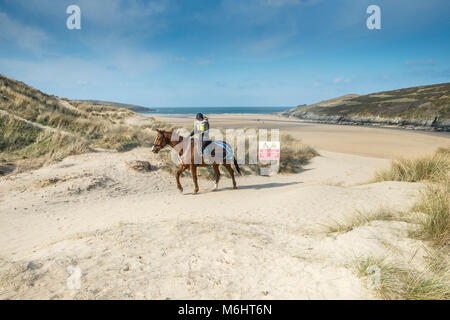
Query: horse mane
point(170, 132)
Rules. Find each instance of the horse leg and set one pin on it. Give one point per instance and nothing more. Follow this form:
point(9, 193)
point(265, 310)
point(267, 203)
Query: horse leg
point(230, 170)
point(179, 172)
point(217, 174)
point(194, 177)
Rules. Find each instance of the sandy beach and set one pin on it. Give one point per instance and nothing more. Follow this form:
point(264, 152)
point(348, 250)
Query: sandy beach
point(133, 236)
point(358, 140)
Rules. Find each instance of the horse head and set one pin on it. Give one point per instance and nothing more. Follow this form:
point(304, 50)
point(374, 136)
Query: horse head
point(162, 140)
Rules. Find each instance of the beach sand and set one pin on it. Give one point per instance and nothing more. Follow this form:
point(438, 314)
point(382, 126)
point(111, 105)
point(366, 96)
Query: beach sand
point(133, 236)
point(359, 140)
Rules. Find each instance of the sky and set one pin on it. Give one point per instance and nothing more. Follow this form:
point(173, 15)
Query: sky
point(223, 52)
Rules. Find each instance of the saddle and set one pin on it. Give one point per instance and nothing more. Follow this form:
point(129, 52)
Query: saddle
point(211, 148)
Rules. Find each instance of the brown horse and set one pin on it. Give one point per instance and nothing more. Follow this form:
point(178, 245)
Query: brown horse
point(187, 156)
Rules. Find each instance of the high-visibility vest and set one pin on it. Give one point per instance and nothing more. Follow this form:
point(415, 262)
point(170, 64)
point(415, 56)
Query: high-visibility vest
point(200, 126)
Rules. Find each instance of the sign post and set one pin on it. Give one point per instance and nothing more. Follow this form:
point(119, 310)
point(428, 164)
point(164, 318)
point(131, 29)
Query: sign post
point(270, 151)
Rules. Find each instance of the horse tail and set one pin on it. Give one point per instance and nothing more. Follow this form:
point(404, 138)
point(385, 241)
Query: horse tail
point(237, 167)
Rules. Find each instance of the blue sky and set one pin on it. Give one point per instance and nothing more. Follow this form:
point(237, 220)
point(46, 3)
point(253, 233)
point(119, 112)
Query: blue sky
point(224, 52)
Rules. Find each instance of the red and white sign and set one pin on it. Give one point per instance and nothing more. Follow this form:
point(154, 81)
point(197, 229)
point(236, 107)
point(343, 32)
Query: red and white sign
point(269, 150)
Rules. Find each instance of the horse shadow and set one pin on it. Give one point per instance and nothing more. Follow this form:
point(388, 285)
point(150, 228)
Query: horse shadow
point(269, 185)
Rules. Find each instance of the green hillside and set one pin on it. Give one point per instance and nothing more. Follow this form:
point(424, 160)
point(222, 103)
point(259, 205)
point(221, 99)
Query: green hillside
point(131, 107)
point(424, 106)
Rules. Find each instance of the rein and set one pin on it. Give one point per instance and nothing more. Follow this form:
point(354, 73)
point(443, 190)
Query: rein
point(164, 141)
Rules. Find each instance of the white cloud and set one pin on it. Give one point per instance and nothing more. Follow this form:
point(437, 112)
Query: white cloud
point(26, 37)
point(203, 62)
point(70, 71)
point(132, 63)
point(268, 43)
point(117, 16)
point(340, 80)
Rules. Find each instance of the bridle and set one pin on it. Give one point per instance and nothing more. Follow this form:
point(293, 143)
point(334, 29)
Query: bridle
point(163, 141)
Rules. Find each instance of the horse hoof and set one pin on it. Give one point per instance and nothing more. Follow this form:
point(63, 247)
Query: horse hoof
point(235, 188)
point(216, 187)
point(180, 190)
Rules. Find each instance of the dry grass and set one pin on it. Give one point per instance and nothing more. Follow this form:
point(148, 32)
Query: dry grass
point(294, 154)
point(444, 151)
point(433, 282)
point(435, 201)
point(397, 281)
point(431, 168)
point(360, 219)
point(20, 140)
point(15, 134)
point(76, 128)
point(116, 113)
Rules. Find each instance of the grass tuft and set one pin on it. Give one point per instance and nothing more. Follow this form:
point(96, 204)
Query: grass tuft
point(435, 203)
point(360, 219)
point(394, 281)
point(431, 168)
point(294, 154)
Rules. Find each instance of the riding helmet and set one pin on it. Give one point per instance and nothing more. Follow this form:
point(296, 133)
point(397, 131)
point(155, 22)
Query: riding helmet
point(199, 116)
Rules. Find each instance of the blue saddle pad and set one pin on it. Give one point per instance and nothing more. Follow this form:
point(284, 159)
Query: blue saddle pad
point(228, 152)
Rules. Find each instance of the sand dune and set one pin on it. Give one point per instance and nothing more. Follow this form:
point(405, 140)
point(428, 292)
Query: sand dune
point(129, 234)
point(134, 237)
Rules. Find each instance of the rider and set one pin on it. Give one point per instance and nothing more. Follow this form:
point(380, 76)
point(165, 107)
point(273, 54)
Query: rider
point(201, 127)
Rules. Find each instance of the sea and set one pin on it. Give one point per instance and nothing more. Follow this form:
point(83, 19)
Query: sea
point(215, 110)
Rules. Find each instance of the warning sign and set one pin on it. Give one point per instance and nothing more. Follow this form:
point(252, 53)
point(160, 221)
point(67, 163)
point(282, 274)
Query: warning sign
point(269, 150)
